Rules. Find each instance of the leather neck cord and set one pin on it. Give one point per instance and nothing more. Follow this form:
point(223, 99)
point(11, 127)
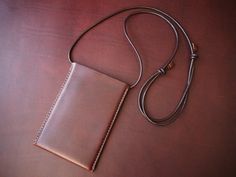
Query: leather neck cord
point(175, 26)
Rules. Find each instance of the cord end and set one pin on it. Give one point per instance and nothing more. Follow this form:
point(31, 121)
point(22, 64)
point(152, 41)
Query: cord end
point(170, 65)
point(195, 49)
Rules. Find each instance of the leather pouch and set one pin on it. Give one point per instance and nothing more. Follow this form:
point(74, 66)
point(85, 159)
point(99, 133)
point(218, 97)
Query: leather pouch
point(84, 112)
point(82, 116)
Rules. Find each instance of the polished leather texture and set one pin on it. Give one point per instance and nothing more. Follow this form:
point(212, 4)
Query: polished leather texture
point(35, 38)
point(82, 116)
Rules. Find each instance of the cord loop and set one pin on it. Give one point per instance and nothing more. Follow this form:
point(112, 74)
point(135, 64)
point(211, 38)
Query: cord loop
point(176, 27)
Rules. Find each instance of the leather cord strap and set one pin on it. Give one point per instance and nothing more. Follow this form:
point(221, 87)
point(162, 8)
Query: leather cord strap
point(176, 27)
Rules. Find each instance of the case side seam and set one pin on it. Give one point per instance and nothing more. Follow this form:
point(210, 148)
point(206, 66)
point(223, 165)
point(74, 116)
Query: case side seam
point(54, 103)
point(109, 129)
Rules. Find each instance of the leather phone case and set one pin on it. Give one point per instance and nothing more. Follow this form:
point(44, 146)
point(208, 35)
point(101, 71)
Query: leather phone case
point(82, 116)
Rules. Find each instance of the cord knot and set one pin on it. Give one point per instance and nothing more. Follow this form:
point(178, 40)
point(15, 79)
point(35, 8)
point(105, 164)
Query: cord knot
point(194, 56)
point(162, 71)
point(166, 68)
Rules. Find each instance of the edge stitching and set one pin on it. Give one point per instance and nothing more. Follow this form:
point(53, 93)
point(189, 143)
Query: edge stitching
point(54, 103)
point(109, 129)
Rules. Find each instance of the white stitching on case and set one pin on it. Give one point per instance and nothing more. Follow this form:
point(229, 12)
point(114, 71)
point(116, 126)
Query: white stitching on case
point(54, 102)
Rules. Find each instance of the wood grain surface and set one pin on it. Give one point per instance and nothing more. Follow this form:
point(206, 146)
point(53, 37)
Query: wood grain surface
point(34, 40)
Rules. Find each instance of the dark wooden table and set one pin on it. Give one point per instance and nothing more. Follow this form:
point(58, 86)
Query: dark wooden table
point(34, 39)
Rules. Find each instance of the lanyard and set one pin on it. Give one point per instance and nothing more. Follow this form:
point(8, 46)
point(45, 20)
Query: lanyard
point(176, 27)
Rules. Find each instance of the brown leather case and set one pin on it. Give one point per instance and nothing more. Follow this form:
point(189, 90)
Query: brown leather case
point(82, 116)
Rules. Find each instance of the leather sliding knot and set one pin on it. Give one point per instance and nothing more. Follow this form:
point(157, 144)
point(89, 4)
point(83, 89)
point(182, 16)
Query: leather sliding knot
point(162, 71)
point(194, 56)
